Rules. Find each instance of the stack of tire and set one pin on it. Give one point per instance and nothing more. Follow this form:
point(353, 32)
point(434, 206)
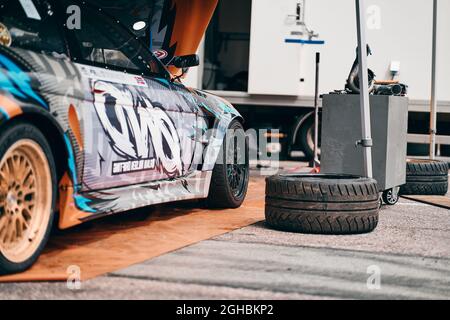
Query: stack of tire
point(322, 204)
point(425, 177)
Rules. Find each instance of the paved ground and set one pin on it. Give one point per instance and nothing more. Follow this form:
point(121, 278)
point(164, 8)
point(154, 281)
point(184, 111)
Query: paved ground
point(409, 249)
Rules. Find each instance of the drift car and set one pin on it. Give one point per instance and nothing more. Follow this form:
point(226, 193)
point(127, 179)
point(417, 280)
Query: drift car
point(92, 123)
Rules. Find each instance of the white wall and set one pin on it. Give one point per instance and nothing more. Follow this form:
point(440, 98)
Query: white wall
point(274, 65)
point(194, 77)
point(404, 35)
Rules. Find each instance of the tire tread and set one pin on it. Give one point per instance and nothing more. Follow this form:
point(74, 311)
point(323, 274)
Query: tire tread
point(327, 206)
point(426, 178)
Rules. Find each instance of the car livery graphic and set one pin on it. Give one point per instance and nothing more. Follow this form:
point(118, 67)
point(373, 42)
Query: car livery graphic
point(88, 138)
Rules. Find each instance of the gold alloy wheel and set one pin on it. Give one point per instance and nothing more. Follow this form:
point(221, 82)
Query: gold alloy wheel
point(25, 200)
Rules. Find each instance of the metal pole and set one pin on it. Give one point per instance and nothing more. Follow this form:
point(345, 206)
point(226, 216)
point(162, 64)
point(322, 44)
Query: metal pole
point(433, 103)
point(366, 141)
point(316, 114)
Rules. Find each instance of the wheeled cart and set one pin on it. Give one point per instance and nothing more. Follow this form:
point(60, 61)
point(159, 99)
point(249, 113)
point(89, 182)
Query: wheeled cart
point(341, 130)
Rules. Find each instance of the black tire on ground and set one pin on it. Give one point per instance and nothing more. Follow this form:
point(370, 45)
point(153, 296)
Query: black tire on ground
point(25, 135)
point(230, 176)
point(322, 204)
point(425, 177)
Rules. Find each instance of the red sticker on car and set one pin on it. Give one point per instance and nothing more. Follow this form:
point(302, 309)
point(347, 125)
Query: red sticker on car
point(160, 54)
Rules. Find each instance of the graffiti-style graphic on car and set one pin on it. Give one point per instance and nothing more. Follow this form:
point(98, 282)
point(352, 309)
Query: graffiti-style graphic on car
point(17, 82)
point(139, 131)
point(177, 132)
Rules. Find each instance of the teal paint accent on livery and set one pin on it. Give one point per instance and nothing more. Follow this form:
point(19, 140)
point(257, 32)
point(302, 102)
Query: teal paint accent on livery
point(17, 78)
point(81, 202)
point(163, 81)
point(4, 113)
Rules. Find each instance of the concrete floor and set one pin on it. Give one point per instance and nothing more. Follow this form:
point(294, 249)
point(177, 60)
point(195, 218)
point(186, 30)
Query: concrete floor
point(410, 250)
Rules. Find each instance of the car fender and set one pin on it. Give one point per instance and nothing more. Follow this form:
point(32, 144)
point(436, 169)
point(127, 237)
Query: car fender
point(221, 113)
point(20, 97)
point(10, 110)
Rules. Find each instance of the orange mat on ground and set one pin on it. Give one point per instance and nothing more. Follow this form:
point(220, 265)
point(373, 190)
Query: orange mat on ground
point(117, 242)
point(440, 201)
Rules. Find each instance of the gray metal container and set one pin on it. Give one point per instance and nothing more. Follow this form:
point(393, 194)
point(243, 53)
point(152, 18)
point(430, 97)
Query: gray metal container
point(341, 129)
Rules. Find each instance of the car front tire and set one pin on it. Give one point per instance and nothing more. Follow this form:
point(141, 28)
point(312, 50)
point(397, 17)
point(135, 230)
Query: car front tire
point(230, 176)
point(27, 196)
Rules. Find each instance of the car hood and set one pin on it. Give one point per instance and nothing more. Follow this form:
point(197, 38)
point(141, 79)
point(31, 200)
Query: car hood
point(173, 27)
point(215, 106)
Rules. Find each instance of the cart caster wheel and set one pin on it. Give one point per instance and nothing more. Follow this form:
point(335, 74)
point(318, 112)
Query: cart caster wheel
point(390, 197)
